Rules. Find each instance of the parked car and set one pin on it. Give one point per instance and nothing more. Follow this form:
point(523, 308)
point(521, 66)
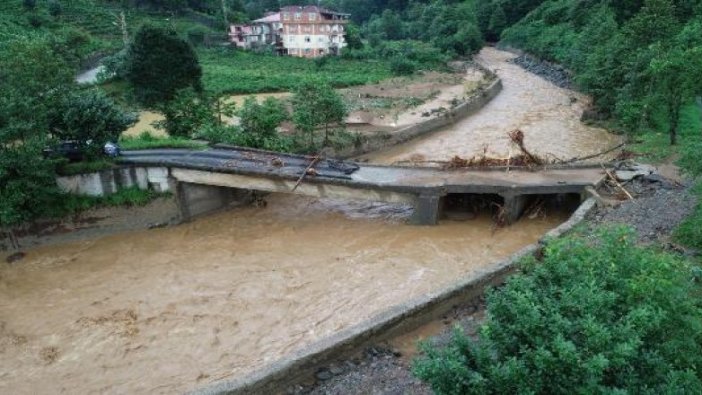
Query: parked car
point(74, 152)
point(69, 149)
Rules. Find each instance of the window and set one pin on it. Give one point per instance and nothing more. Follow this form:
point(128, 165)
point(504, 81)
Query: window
point(321, 39)
point(298, 15)
point(313, 16)
point(307, 39)
point(286, 16)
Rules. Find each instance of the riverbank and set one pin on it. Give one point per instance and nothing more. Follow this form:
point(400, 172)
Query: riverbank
point(386, 368)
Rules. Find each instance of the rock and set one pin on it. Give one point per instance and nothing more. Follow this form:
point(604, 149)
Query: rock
point(324, 374)
point(16, 257)
point(336, 370)
point(630, 172)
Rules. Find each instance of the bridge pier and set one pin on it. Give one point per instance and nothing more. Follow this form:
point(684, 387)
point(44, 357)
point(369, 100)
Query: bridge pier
point(514, 206)
point(196, 200)
point(427, 210)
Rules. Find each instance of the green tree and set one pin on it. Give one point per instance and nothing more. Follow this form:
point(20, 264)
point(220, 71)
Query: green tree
point(159, 64)
point(352, 36)
point(91, 118)
point(186, 113)
point(498, 21)
point(596, 315)
point(32, 80)
point(259, 121)
point(317, 105)
point(677, 75)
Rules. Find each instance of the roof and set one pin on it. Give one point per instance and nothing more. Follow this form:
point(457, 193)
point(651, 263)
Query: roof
point(311, 8)
point(269, 19)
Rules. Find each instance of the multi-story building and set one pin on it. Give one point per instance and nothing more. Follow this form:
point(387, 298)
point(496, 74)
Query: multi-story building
point(305, 31)
point(261, 32)
point(311, 31)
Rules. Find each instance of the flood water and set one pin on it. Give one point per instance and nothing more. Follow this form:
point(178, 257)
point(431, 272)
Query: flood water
point(167, 310)
point(170, 310)
point(548, 115)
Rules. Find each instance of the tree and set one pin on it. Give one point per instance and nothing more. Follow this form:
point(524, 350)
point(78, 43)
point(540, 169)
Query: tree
point(676, 78)
point(315, 105)
point(352, 36)
point(32, 79)
point(91, 118)
point(159, 64)
point(186, 113)
point(596, 315)
point(498, 21)
point(259, 121)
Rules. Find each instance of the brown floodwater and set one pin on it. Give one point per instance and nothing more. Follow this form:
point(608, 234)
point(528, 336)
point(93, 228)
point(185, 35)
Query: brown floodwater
point(167, 310)
point(548, 115)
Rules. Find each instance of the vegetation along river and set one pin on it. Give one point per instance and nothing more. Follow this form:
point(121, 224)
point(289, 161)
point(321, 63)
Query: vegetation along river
point(169, 310)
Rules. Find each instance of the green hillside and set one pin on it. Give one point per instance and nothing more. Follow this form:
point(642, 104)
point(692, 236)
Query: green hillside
point(88, 27)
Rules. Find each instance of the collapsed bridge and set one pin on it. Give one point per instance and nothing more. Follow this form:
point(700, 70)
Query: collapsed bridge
point(207, 180)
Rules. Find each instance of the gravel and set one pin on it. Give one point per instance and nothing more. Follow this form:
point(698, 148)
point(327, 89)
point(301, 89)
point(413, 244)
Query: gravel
point(654, 216)
point(384, 370)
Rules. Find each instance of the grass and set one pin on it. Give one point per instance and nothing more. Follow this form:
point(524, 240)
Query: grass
point(127, 197)
point(147, 141)
point(238, 72)
point(654, 145)
point(71, 169)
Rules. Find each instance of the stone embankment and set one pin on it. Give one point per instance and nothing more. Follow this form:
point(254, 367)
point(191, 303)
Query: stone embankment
point(554, 73)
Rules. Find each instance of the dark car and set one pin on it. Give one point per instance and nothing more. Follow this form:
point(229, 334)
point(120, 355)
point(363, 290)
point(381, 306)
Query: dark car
point(69, 149)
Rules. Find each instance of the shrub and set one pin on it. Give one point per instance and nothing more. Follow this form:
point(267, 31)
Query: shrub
point(260, 120)
point(689, 233)
point(186, 113)
point(402, 66)
point(597, 315)
point(55, 8)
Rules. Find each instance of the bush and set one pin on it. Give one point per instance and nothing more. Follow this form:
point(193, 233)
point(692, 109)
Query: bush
point(260, 120)
point(55, 8)
point(689, 233)
point(402, 66)
point(597, 315)
point(186, 113)
point(147, 141)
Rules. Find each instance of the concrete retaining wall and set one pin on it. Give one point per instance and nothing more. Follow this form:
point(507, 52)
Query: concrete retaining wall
point(109, 181)
point(401, 319)
point(384, 140)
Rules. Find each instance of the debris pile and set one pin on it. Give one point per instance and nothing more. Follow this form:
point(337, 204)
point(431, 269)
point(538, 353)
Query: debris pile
point(524, 159)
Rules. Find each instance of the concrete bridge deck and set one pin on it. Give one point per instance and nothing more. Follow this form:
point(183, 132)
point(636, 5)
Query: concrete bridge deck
point(257, 170)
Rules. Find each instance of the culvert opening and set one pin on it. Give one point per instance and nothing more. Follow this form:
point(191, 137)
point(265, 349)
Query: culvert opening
point(470, 206)
point(540, 206)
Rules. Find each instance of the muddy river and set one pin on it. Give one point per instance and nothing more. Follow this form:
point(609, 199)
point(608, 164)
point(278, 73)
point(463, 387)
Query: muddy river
point(169, 310)
point(549, 117)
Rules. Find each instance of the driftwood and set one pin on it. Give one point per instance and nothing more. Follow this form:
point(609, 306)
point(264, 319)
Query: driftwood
point(307, 171)
point(617, 183)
